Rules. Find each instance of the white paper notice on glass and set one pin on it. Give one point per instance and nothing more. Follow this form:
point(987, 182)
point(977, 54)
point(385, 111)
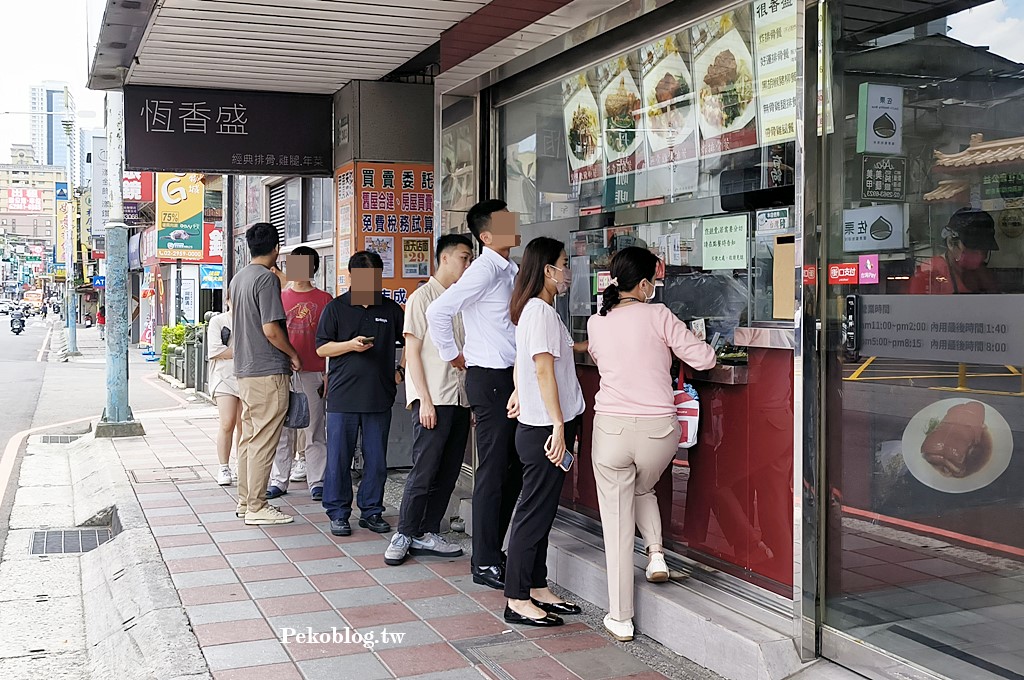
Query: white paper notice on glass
point(724, 242)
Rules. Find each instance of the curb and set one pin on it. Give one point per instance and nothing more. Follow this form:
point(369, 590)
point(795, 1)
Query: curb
point(180, 386)
point(135, 624)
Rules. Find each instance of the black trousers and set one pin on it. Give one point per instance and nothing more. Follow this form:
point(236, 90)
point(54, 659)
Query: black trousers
point(499, 477)
point(542, 484)
point(437, 456)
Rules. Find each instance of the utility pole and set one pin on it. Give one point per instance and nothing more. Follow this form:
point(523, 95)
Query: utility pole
point(69, 245)
point(117, 418)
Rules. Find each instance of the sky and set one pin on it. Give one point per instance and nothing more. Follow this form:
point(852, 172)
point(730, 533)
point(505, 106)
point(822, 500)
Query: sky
point(998, 25)
point(45, 40)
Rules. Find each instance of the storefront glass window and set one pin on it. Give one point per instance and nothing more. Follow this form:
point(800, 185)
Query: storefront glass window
point(925, 274)
point(708, 111)
point(457, 162)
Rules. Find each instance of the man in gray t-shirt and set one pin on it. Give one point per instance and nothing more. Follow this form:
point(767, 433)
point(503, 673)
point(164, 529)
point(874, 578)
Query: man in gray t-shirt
point(264, 361)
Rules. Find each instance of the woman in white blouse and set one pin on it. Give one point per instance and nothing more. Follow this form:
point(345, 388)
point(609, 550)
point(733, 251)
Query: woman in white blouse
point(548, 402)
point(224, 390)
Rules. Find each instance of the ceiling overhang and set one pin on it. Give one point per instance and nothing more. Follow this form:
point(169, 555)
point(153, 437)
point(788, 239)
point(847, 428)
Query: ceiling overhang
point(311, 46)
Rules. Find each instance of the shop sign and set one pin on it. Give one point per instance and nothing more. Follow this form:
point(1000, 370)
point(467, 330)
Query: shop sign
point(213, 238)
point(583, 142)
point(880, 119)
point(179, 208)
point(724, 242)
point(969, 329)
point(25, 200)
point(602, 281)
point(868, 267)
point(99, 282)
point(98, 197)
point(135, 251)
point(670, 115)
point(1002, 185)
point(385, 247)
point(227, 131)
point(846, 273)
point(771, 221)
point(211, 276)
point(188, 300)
point(131, 213)
point(137, 186)
point(877, 227)
point(148, 246)
point(883, 178)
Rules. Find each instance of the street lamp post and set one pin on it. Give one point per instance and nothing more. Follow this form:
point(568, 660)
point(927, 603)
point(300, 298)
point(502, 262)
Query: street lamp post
point(117, 420)
point(69, 262)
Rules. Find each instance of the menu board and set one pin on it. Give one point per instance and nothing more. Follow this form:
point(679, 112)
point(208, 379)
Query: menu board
point(583, 130)
point(726, 87)
point(669, 103)
point(775, 47)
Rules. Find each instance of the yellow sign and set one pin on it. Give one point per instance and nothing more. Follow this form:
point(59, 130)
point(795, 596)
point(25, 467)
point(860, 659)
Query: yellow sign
point(179, 214)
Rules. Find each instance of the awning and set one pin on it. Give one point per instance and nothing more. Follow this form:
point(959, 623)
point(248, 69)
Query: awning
point(312, 46)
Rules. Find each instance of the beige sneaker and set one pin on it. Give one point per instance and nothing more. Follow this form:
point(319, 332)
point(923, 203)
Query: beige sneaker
point(657, 570)
point(268, 514)
point(620, 630)
point(240, 512)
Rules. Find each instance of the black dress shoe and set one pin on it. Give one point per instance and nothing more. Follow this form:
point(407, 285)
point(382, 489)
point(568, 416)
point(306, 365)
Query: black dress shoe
point(493, 577)
point(547, 621)
point(563, 608)
point(341, 527)
point(375, 523)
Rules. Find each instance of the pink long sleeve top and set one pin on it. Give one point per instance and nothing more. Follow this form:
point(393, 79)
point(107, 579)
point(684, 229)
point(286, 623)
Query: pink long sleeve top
point(633, 347)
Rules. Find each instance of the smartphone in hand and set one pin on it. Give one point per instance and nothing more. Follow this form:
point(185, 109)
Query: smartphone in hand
point(567, 460)
point(367, 341)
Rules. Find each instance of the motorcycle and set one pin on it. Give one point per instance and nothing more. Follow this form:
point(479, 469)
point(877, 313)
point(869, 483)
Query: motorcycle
point(17, 325)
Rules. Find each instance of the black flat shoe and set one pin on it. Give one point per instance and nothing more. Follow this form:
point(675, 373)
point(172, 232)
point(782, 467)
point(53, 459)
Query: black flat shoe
point(563, 608)
point(548, 621)
point(341, 527)
point(493, 577)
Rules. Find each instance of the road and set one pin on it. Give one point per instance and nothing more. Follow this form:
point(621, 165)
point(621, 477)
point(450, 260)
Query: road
point(36, 393)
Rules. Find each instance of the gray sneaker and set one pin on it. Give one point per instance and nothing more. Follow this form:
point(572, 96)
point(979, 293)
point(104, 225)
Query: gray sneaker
point(433, 544)
point(397, 549)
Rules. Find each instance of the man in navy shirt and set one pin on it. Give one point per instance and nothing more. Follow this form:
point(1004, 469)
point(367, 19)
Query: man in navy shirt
point(358, 332)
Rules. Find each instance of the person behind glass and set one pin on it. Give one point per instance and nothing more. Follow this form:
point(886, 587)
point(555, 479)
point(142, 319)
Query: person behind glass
point(358, 332)
point(548, 402)
point(483, 295)
point(636, 432)
point(969, 238)
point(304, 305)
point(436, 395)
point(264, 362)
point(224, 389)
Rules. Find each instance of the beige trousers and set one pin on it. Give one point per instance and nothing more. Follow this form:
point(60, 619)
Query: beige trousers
point(629, 456)
point(315, 436)
point(264, 407)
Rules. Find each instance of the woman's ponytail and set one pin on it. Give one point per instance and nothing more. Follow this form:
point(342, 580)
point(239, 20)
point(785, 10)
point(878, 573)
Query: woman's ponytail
point(609, 299)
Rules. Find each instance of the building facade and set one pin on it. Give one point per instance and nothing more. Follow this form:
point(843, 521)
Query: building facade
point(51, 105)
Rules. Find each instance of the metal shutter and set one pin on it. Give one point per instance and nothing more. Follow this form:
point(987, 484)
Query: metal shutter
point(279, 210)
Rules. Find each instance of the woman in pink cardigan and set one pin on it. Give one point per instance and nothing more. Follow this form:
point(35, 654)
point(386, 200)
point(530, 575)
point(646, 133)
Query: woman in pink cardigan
point(636, 432)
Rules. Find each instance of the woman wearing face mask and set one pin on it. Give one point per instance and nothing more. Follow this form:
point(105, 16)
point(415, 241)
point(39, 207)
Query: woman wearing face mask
point(636, 432)
point(548, 402)
point(970, 236)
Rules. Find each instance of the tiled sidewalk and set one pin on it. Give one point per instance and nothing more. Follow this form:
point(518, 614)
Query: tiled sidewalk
point(241, 586)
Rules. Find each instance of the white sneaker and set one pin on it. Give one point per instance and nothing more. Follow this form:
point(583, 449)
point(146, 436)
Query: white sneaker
point(433, 544)
point(224, 477)
point(234, 475)
point(657, 570)
point(268, 514)
point(298, 471)
point(620, 630)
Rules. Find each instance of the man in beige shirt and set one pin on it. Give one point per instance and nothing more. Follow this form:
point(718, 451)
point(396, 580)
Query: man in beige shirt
point(436, 395)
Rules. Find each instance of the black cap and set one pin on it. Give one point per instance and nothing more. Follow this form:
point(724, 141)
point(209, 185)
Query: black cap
point(975, 229)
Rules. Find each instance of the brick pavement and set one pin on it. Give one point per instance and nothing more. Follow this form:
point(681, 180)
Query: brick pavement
point(241, 586)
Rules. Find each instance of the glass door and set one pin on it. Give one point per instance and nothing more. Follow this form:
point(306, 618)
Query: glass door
point(924, 278)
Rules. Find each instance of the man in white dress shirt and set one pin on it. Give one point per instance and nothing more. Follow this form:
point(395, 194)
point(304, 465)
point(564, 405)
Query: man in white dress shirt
point(483, 295)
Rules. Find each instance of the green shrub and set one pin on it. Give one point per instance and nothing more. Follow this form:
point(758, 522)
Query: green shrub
point(172, 335)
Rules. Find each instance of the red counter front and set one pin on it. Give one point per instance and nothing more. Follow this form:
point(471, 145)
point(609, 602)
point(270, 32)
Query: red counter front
point(728, 501)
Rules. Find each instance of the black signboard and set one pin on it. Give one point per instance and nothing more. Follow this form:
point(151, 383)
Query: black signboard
point(884, 178)
point(173, 129)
